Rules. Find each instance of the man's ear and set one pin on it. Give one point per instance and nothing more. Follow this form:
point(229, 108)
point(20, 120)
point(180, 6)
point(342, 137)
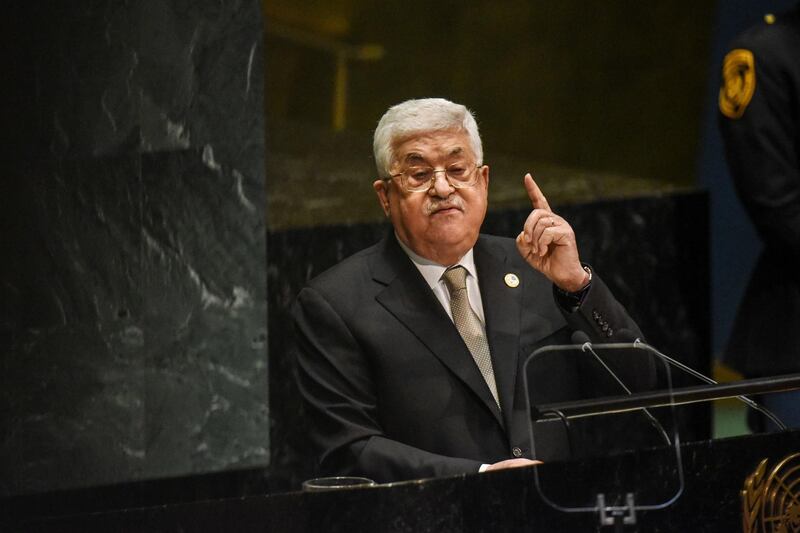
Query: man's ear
point(382, 190)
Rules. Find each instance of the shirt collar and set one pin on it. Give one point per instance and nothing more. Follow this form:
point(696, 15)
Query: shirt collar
point(432, 271)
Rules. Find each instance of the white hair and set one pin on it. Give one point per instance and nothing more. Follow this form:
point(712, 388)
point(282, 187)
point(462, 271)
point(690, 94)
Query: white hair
point(420, 116)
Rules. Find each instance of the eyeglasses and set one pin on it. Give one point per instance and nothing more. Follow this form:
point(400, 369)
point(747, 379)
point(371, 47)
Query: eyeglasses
point(420, 178)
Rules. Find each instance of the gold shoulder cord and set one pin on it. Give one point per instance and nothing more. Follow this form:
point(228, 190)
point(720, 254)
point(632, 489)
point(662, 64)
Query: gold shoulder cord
point(738, 82)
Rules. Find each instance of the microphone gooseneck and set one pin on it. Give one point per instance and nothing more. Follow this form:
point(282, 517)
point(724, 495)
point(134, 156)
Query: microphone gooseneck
point(580, 337)
point(702, 377)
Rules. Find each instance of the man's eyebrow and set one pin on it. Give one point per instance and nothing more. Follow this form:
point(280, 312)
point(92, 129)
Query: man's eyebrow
point(414, 157)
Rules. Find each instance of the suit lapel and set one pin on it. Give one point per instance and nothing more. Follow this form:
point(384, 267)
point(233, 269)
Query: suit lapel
point(501, 305)
point(411, 301)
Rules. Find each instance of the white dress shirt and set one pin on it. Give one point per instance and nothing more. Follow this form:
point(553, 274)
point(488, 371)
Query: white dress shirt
point(432, 272)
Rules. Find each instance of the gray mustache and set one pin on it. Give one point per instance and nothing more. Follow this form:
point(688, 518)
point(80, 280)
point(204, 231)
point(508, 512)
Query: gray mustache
point(435, 205)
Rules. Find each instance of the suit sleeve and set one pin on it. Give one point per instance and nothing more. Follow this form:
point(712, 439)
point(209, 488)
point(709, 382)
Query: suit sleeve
point(341, 403)
point(605, 320)
point(761, 148)
point(601, 316)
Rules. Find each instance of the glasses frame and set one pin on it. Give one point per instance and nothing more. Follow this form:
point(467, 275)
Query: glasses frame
point(427, 186)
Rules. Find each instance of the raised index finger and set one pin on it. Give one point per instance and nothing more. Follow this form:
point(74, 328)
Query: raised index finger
point(535, 194)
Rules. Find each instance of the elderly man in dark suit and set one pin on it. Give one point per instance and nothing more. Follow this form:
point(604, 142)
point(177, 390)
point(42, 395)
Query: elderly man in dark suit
point(410, 352)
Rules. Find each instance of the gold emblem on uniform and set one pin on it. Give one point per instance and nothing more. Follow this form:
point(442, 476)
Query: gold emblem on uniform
point(738, 82)
point(512, 280)
point(771, 502)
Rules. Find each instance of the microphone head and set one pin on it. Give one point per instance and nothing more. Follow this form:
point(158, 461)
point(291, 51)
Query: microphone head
point(579, 337)
point(626, 335)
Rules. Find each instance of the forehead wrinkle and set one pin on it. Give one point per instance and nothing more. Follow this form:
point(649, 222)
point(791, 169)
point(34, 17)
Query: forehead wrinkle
point(429, 147)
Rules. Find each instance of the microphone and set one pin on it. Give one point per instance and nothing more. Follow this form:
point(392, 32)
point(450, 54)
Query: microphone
point(580, 337)
point(628, 334)
point(702, 377)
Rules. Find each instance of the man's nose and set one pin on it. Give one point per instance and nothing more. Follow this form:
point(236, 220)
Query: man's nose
point(441, 185)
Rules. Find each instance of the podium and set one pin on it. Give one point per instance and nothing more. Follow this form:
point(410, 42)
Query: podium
point(715, 473)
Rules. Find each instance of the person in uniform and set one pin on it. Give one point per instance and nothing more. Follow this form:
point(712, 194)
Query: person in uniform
point(410, 352)
point(759, 105)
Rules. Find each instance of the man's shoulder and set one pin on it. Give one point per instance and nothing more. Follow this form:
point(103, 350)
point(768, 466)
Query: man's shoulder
point(766, 39)
point(495, 242)
point(350, 270)
point(358, 269)
point(502, 247)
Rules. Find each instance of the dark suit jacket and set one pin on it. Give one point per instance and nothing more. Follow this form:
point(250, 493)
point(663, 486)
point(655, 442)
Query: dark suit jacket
point(392, 391)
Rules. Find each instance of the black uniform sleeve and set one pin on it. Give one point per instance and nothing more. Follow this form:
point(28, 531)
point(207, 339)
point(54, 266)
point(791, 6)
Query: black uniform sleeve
point(761, 145)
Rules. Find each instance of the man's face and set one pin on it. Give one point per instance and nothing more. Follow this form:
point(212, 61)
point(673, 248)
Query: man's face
point(442, 223)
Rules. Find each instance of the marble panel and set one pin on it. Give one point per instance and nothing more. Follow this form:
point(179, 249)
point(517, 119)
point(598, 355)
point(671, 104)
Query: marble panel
point(73, 364)
point(133, 295)
point(115, 77)
point(135, 322)
point(203, 258)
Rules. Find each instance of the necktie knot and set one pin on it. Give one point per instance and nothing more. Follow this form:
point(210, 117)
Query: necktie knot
point(455, 278)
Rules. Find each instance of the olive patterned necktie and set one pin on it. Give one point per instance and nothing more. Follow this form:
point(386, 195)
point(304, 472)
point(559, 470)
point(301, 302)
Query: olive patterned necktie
point(469, 325)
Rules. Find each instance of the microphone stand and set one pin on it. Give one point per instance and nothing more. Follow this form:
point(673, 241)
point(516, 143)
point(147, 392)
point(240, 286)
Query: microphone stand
point(625, 514)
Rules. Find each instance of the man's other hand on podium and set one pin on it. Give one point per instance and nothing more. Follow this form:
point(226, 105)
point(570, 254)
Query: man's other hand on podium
point(511, 463)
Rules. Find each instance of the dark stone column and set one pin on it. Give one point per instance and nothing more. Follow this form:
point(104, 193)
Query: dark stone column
point(133, 291)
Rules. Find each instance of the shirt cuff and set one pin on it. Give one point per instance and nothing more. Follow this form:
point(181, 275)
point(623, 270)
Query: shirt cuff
point(571, 301)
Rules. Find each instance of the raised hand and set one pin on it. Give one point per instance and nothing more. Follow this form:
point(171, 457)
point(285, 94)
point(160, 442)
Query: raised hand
point(547, 243)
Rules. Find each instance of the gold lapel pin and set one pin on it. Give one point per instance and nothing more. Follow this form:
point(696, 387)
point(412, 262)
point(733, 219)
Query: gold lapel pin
point(511, 280)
